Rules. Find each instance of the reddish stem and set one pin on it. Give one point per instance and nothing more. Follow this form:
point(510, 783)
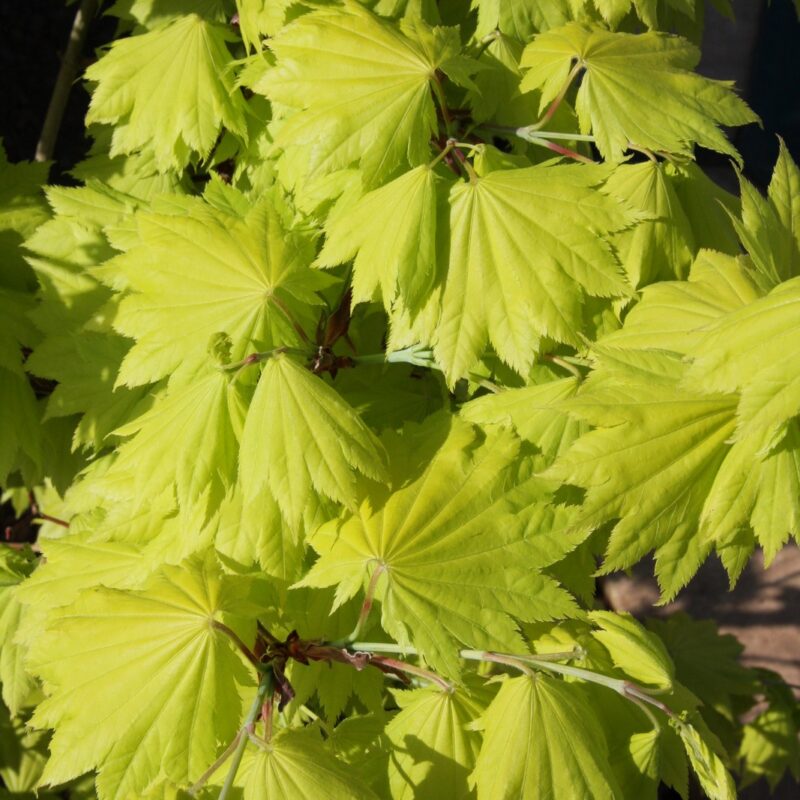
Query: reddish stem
point(234, 637)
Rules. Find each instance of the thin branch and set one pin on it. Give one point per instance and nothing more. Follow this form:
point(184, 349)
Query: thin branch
point(264, 695)
point(206, 776)
point(562, 151)
point(550, 113)
point(629, 690)
point(234, 637)
point(66, 77)
point(438, 92)
point(402, 666)
point(462, 159)
point(571, 368)
point(366, 606)
point(256, 358)
point(47, 518)
point(486, 42)
point(284, 309)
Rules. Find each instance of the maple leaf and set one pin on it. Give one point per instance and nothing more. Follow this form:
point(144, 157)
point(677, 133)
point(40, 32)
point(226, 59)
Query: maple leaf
point(20, 432)
point(522, 18)
point(706, 661)
point(750, 350)
point(76, 562)
point(542, 740)
point(637, 89)
point(17, 684)
point(195, 276)
point(770, 226)
point(526, 248)
point(673, 315)
point(397, 252)
point(22, 210)
point(356, 89)
point(662, 246)
point(152, 14)
point(770, 743)
point(258, 18)
point(254, 532)
point(433, 720)
point(169, 658)
point(716, 781)
point(300, 436)
point(651, 461)
point(450, 553)
point(634, 650)
point(172, 113)
point(84, 364)
point(189, 439)
point(297, 765)
point(534, 412)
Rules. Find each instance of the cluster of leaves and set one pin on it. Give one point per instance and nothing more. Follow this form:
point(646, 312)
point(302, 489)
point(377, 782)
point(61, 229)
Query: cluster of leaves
point(407, 306)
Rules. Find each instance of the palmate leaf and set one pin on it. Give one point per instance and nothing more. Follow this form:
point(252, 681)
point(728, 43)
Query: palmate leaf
point(662, 246)
point(255, 532)
point(152, 14)
point(433, 721)
point(356, 89)
point(20, 430)
point(706, 661)
point(175, 113)
point(770, 226)
point(197, 274)
point(189, 439)
point(454, 565)
point(22, 210)
point(77, 562)
point(634, 650)
point(526, 248)
point(392, 232)
point(650, 463)
point(542, 741)
point(716, 781)
point(637, 89)
point(17, 684)
point(754, 491)
point(673, 315)
point(258, 18)
point(751, 350)
point(301, 437)
point(296, 765)
point(770, 745)
point(534, 412)
point(522, 18)
point(84, 364)
point(140, 685)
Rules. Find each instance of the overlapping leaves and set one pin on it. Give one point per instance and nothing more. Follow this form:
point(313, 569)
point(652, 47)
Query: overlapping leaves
point(638, 89)
point(449, 554)
point(180, 332)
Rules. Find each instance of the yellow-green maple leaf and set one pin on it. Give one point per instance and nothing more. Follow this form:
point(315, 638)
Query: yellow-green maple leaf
point(637, 89)
point(301, 437)
point(454, 566)
point(140, 684)
point(169, 91)
point(542, 741)
point(198, 274)
point(356, 88)
point(526, 248)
